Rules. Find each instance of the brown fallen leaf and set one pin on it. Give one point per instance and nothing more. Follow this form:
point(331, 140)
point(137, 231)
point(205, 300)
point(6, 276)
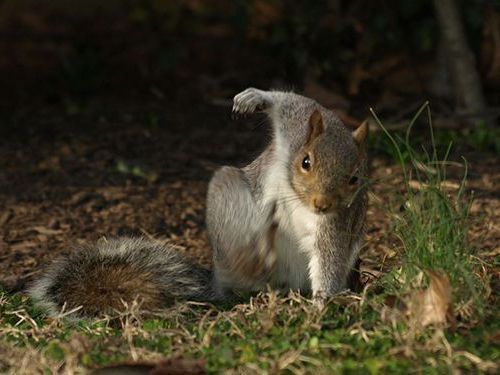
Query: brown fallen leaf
point(433, 305)
point(423, 307)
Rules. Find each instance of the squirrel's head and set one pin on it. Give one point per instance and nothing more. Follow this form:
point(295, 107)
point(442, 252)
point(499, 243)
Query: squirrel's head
point(329, 169)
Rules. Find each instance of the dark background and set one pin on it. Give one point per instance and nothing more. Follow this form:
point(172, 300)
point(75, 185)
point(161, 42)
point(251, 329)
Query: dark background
point(384, 54)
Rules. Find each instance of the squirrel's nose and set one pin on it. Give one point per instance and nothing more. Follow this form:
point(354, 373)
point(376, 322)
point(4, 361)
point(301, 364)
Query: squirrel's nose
point(321, 203)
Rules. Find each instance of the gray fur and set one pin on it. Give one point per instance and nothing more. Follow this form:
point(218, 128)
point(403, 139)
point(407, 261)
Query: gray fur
point(238, 212)
point(236, 226)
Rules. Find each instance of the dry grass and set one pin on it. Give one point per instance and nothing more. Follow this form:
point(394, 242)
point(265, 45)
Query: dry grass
point(271, 333)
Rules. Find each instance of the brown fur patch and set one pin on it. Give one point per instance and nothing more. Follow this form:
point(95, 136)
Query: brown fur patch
point(106, 287)
point(254, 263)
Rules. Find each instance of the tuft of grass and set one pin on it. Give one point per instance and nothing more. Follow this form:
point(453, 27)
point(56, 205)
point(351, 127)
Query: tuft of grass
point(433, 219)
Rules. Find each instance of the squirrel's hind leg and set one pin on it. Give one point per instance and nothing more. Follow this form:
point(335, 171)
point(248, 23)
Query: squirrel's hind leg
point(241, 233)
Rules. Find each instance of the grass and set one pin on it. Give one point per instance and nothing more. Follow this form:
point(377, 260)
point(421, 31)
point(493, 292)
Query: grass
point(433, 220)
point(270, 334)
point(355, 334)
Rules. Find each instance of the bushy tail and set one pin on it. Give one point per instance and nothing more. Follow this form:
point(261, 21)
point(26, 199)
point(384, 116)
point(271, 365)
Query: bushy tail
point(100, 277)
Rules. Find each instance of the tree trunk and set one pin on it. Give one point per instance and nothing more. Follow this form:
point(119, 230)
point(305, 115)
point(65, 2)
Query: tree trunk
point(461, 61)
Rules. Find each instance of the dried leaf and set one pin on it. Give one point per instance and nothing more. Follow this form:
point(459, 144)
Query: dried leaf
point(433, 305)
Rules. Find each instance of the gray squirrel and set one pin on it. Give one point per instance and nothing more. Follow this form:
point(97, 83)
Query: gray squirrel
point(292, 219)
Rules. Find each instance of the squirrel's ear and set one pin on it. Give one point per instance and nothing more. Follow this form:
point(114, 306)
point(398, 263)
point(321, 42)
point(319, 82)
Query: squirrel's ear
point(360, 133)
point(316, 126)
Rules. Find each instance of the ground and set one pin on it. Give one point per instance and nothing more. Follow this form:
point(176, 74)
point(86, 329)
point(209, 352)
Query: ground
point(68, 177)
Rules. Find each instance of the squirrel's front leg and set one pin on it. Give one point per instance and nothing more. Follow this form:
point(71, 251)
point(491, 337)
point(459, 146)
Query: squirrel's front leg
point(329, 266)
point(287, 111)
point(253, 100)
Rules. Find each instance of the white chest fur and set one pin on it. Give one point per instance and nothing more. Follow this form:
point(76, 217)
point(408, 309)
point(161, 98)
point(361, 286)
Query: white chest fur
point(295, 235)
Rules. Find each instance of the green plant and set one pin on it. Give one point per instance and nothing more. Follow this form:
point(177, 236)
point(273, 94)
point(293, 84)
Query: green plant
point(433, 221)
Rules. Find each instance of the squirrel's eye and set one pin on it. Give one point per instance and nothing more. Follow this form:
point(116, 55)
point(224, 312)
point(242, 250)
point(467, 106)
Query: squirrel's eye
point(306, 163)
point(353, 180)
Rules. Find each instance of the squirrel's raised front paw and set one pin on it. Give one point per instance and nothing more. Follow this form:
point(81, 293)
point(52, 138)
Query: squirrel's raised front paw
point(251, 100)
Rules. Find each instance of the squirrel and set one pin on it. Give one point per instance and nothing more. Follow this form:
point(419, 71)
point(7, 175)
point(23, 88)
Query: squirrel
point(293, 219)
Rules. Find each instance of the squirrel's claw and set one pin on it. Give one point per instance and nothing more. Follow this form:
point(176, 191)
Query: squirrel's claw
point(249, 101)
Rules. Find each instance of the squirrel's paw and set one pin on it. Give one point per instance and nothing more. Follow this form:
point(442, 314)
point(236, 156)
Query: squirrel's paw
point(319, 300)
point(251, 100)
